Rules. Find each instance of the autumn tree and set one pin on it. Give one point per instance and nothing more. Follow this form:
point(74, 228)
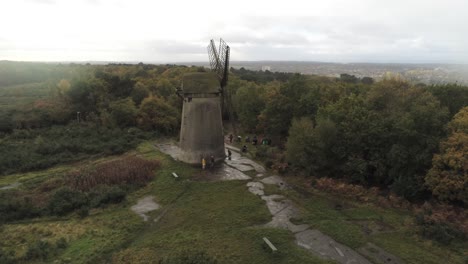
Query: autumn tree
point(448, 177)
point(157, 115)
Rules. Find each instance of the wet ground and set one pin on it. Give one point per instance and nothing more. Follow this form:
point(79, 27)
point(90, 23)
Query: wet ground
point(283, 209)
point(229, 170)
point(145, 205)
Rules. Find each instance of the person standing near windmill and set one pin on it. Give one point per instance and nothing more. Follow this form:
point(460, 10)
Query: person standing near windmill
point(203, 162)
point(212, 161)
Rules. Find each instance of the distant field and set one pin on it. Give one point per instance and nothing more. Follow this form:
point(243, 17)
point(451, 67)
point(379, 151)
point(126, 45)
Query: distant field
point(21, 94)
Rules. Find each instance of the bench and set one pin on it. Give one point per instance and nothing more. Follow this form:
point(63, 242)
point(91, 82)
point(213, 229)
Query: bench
point(272, 247)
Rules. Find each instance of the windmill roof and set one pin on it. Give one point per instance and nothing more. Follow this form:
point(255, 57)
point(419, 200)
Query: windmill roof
point(200, 82)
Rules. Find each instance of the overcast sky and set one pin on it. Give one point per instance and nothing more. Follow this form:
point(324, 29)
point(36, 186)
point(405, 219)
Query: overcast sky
point(174, 31)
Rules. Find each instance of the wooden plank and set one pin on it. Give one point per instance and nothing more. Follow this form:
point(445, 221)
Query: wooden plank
point(273, 248)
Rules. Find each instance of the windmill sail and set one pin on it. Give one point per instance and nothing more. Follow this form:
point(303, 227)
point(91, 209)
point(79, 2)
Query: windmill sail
point(219, 61)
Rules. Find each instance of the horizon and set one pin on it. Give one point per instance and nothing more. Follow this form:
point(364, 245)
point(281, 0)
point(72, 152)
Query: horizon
point(231, 62)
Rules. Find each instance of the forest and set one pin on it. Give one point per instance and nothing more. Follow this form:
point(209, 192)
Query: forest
point(408, 139)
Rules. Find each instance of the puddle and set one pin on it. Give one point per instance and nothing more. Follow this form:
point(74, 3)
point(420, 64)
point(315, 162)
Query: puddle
point(145, 205)
point(275, 180)
point(256, 188)
point(228, 171)
point(220, 172)
point(282, 211)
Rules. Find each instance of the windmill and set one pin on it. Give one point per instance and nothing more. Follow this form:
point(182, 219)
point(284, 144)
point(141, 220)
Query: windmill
point(201, 132)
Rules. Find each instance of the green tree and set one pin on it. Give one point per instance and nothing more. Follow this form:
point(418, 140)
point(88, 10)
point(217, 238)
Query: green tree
point(157, 115)
point(453, 96)
point(164, 88)
point(249, 103)
point(123, 112)
point(139, 92)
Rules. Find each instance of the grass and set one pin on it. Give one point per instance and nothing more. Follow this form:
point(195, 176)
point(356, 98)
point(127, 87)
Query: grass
point(355, 224)
point(30, 179)
point(221, 219)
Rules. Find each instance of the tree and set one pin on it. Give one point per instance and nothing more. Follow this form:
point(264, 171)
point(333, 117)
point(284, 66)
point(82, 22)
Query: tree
point(249, 103)
point(123, 112)
point(448, 177)
point(453, 96)
point(139, 92)
point(299, 144)
point(348, 78)
point(281, 106)
point(164, 88)
point(155, 114)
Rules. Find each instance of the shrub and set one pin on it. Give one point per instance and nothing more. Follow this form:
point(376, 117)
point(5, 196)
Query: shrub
point(25, 150)
point(83, 212)
point(39, 250)
point(61, 243)
point(443, 223)
point(7, 257)
point(102, 195)
point(66, 200)
point(16, 208)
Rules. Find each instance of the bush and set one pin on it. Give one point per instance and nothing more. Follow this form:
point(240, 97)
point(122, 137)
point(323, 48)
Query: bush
point(102, 195)
point(442, 223)
point(61, 243)
point(39, 250)
point(83, 212)
point(7, 257)
point(66, 200)
point(25, 150)
point(16, 208)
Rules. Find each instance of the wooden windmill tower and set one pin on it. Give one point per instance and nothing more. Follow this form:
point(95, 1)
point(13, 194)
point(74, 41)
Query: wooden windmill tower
point(201, 133)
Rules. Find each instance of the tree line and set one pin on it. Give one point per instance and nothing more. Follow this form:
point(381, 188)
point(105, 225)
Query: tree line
point(408, 138)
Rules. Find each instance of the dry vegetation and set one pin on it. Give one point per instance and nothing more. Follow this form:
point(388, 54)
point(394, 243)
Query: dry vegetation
point(127, 170)
point(428, 214)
